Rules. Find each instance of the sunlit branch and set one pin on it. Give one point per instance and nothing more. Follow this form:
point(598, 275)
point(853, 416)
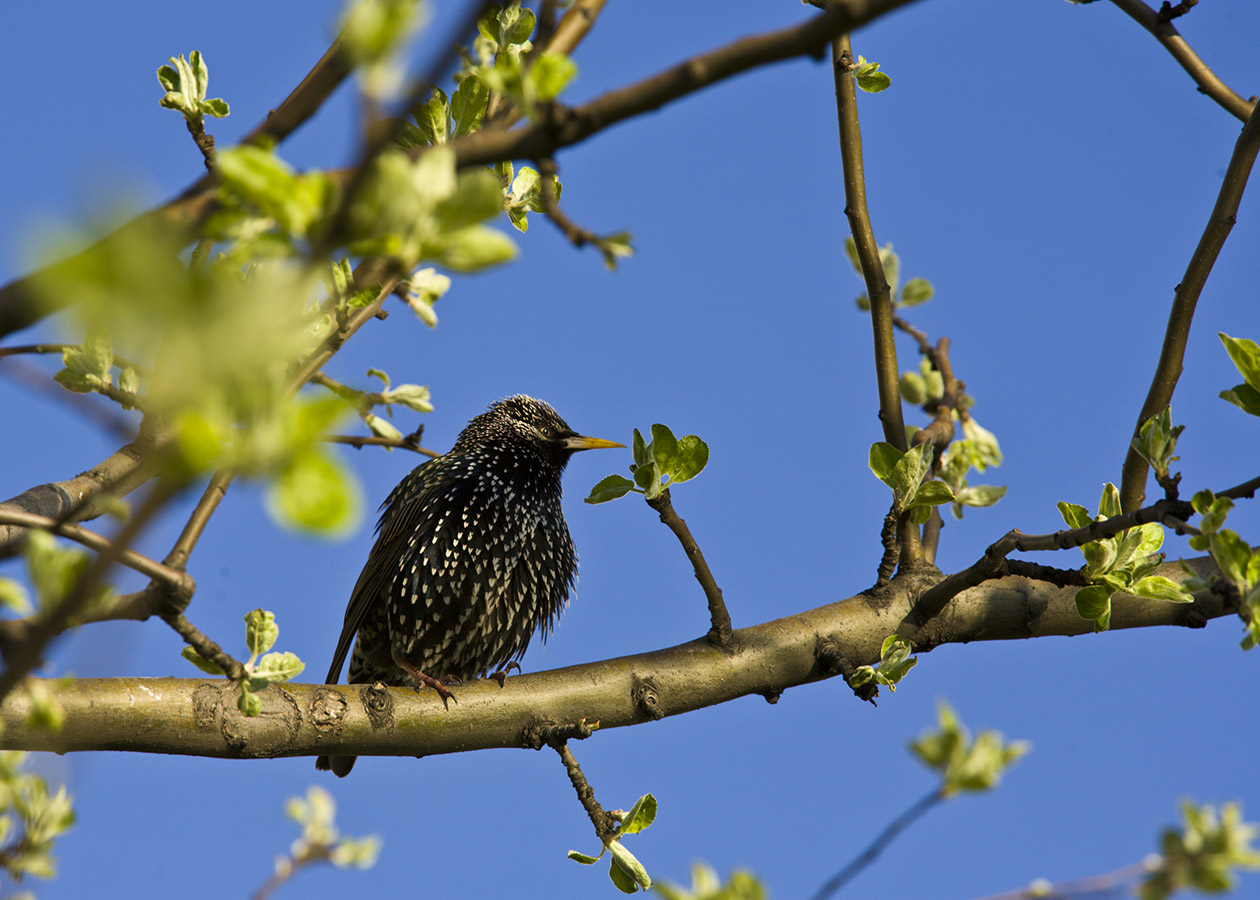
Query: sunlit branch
point(1185, 298)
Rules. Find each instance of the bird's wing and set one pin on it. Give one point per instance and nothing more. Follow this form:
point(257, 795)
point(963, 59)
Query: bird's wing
point(402, 512)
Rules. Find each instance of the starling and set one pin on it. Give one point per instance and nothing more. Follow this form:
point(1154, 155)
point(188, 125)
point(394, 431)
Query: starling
point(472, 555)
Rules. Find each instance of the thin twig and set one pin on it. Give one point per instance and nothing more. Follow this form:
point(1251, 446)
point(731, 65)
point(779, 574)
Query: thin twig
point(204, 141)
point(877, 846)
point(206, 648)
point(1196, 68)
point(887, 377)
point(1239, 491)
point(603, 821)
point(1110, 883)
point(406, 442)
point(197, 520)
point(720, 627)
point(1185, 297)
point(993, 563)
point(25, 656)
point(176, 580)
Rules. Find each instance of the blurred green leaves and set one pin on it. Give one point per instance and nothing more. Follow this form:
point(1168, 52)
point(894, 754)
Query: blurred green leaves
point(321, 840)
point(705, 885)
point(657, 466)
point(1204, 853)
point(916, 290)
point(31, 818)
point(625, 870)
point(966, 765)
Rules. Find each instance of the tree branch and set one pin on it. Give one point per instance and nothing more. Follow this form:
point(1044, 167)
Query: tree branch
point(720, 628)
point(600, 818)
point(993, 563)
point(1166, 33)
point(1185, 298)
point(118, 475)
point(199, 716)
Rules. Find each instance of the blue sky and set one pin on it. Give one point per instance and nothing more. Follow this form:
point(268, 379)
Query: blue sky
point(1048, 167)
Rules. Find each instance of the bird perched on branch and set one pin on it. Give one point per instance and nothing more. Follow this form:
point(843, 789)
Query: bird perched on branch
point(472, 556)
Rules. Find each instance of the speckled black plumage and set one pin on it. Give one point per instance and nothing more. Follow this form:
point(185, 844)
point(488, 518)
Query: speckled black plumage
point(472, 556)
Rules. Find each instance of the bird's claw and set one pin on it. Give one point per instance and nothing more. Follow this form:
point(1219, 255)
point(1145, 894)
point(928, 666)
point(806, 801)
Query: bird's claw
point(501, 675)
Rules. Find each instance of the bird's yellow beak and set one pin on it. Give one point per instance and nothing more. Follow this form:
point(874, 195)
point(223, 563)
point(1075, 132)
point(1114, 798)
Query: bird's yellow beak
point(582, 442)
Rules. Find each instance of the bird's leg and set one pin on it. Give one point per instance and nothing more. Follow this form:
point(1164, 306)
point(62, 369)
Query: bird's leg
point(501, 675)
point(423, 680)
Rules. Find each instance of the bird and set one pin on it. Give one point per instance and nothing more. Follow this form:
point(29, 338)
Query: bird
point(472, 557)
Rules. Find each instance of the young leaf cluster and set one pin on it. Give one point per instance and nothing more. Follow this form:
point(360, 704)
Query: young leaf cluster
point(966, 765)
point(1239, 564)
point(869, 77)
point(977, 450)
point(1157, 441)
point(185, 84)
point(261, 632)
point(1121, 563)
point(421, 290)
point(894, 663)
point(1204, 854)
point(508, 68)
point(30, 819)
point(904, 473)
point(915, 291)
point(321, 840)
point(705, 885)
point(625, 870)
point(89, 367)
point(658, 465)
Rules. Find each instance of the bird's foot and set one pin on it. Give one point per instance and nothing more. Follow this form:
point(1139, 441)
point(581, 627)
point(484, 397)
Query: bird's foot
point(501, 675)
point(422, 680)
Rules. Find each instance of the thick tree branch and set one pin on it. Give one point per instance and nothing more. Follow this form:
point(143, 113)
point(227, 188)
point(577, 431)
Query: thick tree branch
point(199, 716)
point(1166, 33)
point(118, 475)
point(1185, 298)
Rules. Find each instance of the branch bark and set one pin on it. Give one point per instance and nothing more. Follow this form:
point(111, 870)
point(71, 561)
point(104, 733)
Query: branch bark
point(1185, 298)
point(199, 716)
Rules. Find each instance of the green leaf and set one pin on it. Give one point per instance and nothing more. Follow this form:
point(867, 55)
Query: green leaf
point(1109, 502)
point(868, 76)
point(270, 184)
point(883, 461)
point(205, 665)
point(980, 494)
point(913, 388)
point(639, 451)
point(261, 631)
point(583, 858)
point(468, 107)
point(549, 75)
point(1245, 397)
point(1245, 355)
point(622, 879)
point(640, 816)
point(624, 860)
point(916, 291)
point(611, 488)
point(1157, 587)
point(931, 493)
point(691, 458)
point(216, 107)
point(276, 667)
point(475, 248)
point(664, 447)
point(908, 473)
point(614, 246)
point(14, 597)
point(315, 493)
point(432, 117)
point(1094, 602)
point(1075, 515)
